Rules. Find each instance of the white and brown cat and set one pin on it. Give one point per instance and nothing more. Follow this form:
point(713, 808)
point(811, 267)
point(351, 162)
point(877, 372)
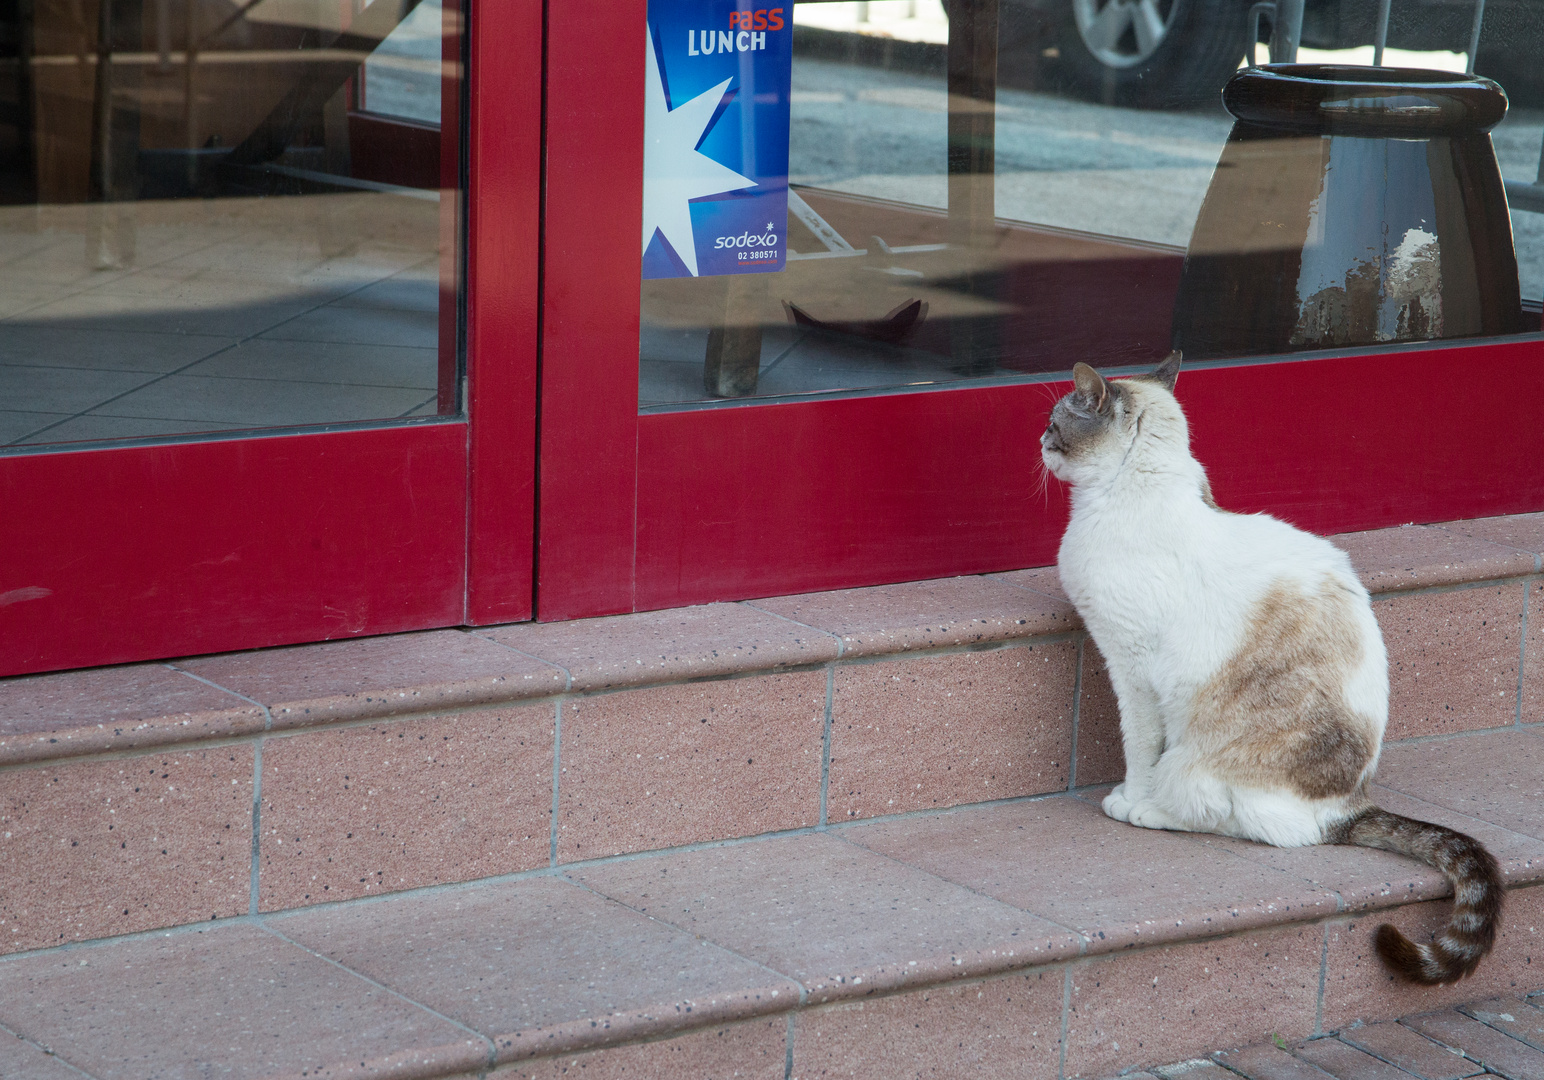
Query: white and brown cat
point(1249, 669)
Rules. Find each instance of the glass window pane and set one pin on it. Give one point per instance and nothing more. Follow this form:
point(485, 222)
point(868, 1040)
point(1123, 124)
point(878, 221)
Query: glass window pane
point(402, 77)
point(203, 231)
point(996, 189)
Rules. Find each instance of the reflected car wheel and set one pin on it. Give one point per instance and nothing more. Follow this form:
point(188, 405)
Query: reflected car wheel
point(1146, 53)
point(1123, 33)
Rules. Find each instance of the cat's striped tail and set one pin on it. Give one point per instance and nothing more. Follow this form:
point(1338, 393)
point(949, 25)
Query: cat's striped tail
point(1477, 893)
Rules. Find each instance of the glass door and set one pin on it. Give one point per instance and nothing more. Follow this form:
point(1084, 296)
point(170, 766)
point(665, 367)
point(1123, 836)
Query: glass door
point(978, 195)
point(239, 391)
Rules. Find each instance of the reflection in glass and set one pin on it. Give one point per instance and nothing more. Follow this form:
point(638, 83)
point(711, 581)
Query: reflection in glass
point(1352, 206)
point(1000, 188)
point(213, 219)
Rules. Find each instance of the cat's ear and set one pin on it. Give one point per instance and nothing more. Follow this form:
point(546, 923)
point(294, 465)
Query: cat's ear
point(1167, 373)
point(1091, 387)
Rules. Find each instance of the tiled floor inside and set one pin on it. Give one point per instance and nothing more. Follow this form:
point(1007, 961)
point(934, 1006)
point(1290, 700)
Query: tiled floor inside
point(181, 316)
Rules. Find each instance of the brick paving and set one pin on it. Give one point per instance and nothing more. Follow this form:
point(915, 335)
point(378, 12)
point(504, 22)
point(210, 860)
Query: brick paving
point(1501, 1036)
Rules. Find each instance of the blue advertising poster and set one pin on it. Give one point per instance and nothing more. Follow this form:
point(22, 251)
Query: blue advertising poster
point(715, 161)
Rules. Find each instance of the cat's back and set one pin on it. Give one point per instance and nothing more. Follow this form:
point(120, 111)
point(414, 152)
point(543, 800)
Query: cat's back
point(1190, 581)
point(1281, 550)
point(1186, 544)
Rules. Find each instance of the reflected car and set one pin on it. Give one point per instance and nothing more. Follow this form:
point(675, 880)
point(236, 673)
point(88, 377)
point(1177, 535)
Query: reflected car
point(1178, 53)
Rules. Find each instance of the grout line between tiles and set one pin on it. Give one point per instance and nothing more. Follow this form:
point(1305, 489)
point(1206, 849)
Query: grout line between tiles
point(941, 811)
point(825, 748)
point(568, 677)
point(1380, 596)
point(1228, 1066)
point(841, 647)
point(1198, 840)
point(1448, 736)
point(788, 1060)
point(1350, 1029)
point(267, 716)
point(804, 994)
point(1066, 1020)
point(1522, 652)
point(215, 742)
point(40, 1048)
point(473, 1032)
point(1081, 938)
point(1028, 641)
point(557, 769)
point(1324, 965)
point(692, 680)
point(204, 926)
point(421, 404)
point(1077, 709)
point(1453, 810)
point(997, 578)
point(236, 344)
point(257, 825)
point(1479, 1016)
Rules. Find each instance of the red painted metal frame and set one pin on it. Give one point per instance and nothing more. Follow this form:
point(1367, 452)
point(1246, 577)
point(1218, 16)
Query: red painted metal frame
point(504, 240)
point(149, 551)
point(446, 157)
point(695, 506)
point(590, 279)
point(761, 500)
point(1334, 444)
point(143, 552)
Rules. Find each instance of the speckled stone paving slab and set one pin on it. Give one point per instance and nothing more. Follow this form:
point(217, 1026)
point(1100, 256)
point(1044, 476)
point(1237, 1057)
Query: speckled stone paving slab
point(626, 844)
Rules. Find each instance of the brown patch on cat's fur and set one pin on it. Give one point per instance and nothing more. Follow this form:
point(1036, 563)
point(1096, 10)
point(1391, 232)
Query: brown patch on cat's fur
point(1274, 717)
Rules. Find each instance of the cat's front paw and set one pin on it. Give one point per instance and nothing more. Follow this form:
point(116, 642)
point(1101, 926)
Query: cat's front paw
point(1117, 806)
point(1150, 815)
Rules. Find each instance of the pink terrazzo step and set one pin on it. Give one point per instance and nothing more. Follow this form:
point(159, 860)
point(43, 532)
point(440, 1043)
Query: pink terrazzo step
point(137, 706)
point(396, 763)
point(865, 950)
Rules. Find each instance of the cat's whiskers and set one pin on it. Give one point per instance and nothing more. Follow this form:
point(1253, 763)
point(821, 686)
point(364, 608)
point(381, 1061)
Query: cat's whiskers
point(1044, 485)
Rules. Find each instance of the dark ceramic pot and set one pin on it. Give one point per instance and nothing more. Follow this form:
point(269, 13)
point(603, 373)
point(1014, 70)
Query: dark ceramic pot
point(1351, 206)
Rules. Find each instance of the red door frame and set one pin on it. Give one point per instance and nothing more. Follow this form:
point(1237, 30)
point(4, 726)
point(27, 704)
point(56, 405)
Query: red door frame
point(180, 546)
point(688, 507)
point(503, 307)
point(184, 546)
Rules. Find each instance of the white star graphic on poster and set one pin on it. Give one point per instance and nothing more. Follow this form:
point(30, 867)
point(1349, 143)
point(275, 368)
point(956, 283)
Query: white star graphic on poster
point(674, 172)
